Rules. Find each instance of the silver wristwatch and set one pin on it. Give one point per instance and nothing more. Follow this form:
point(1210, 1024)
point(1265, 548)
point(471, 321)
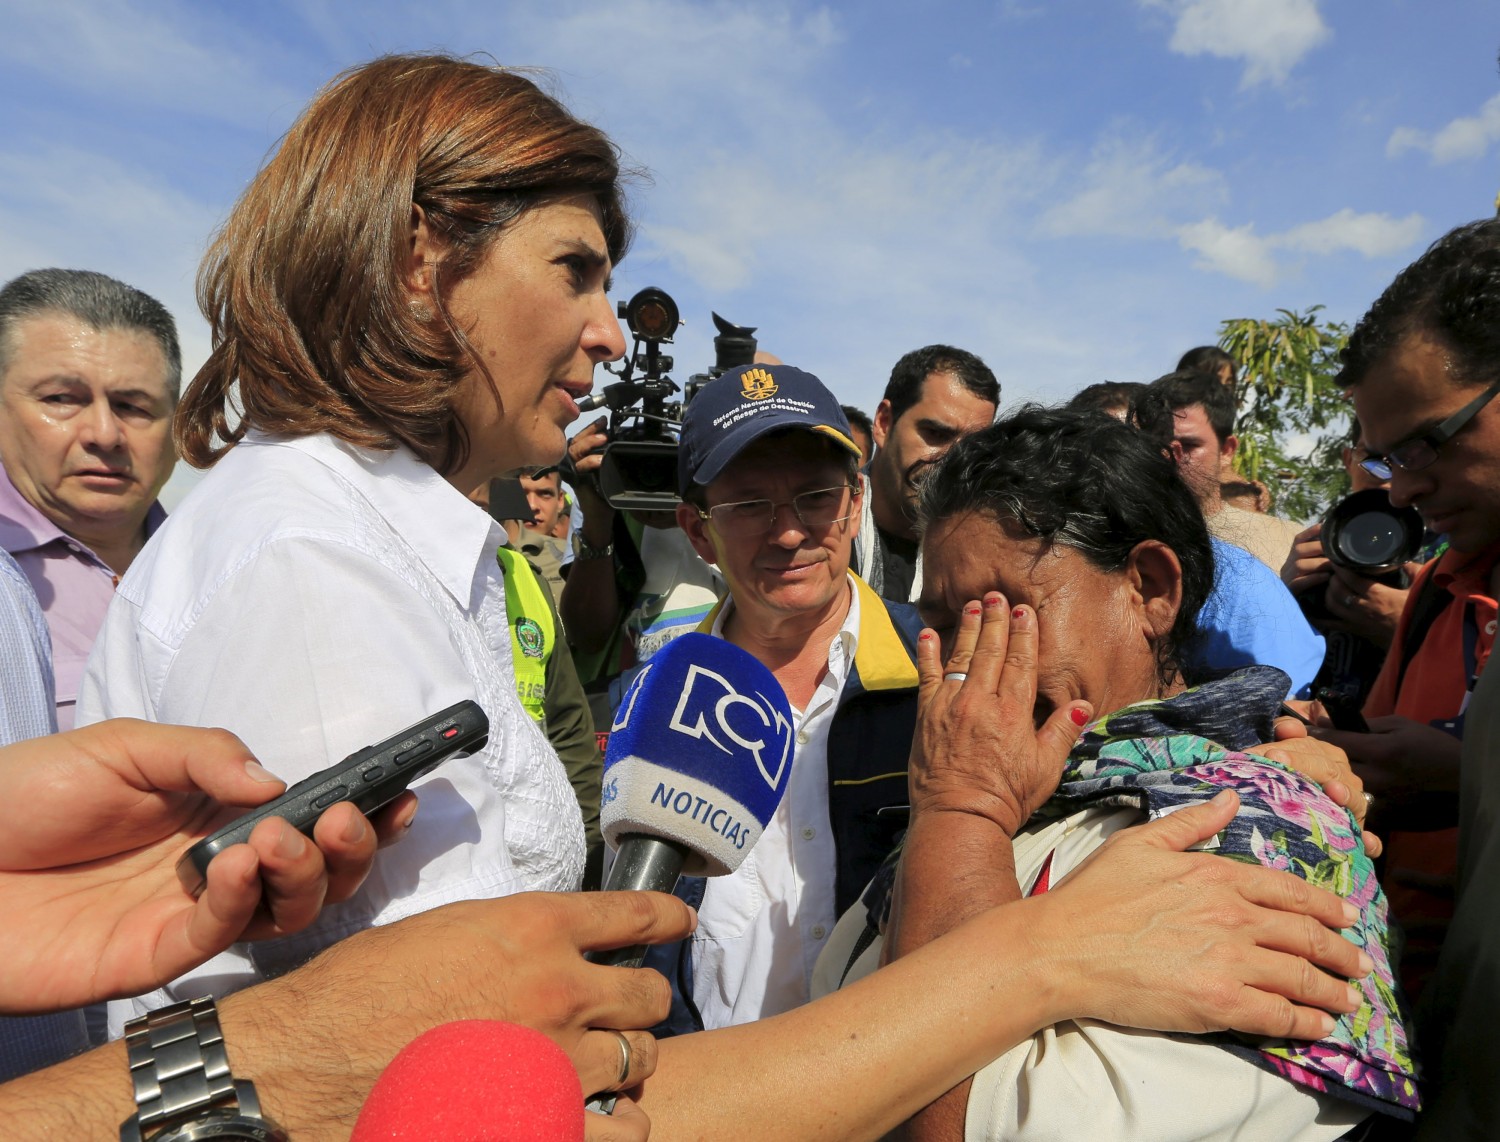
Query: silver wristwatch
point(183, 1089)
point(583, 550)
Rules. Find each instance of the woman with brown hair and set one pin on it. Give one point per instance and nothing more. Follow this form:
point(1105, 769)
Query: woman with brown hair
point(407, 300)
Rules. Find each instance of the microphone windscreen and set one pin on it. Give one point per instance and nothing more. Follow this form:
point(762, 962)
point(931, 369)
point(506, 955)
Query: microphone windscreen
point(700, 753)
point(475, 1081)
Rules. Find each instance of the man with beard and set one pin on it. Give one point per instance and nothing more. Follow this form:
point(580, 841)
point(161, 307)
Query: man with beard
point(936, 395)
point(1421, 369)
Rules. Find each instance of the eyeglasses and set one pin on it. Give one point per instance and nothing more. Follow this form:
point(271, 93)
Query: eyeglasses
point(1415, 454)
point(816, 510)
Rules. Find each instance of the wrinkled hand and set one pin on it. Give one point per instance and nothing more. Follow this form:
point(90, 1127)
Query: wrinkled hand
point(1399, 758)
point(976, 748)
point(518, 959)
point(92, 824)
point(1324, 763)
point(1364, 607)
point(1163, 939)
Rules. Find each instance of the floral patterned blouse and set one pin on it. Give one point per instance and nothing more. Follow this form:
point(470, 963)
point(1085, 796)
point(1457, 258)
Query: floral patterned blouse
point(1160, 756)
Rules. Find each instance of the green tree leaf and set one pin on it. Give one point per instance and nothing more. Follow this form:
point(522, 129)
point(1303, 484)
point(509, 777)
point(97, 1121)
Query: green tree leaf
point(1293, 420)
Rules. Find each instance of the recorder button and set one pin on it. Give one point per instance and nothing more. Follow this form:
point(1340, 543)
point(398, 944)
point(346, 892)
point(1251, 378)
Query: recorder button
point(421, 749)
point(372, 774)
point(337, 793)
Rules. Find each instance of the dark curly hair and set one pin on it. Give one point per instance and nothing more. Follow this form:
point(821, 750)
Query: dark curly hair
point(1452, 294)
point(909, 376)
point(1083, 480)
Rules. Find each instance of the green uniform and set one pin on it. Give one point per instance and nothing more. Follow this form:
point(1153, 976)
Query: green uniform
point(548, 687)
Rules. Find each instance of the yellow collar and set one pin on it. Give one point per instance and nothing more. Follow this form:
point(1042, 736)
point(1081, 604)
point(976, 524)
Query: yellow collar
point(880, 657)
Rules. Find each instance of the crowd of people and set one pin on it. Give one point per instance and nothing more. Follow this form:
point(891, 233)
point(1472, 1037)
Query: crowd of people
point(1120, 807)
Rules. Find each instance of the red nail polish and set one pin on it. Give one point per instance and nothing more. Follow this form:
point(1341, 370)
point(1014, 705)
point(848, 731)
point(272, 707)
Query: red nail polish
point(1079, 715)
point(991, 604)
point(971, 610)
point(925, 636)
point(1018, 612)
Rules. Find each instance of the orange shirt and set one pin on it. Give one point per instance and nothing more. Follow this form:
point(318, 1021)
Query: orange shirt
point(1421, 868)
point(1436, 684)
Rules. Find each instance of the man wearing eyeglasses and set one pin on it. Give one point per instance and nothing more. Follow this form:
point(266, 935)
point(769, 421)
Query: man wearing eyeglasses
point(1423, 370)
point(768, 475)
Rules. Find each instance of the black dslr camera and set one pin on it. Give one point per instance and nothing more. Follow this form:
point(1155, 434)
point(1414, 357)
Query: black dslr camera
point(639, 469)
point(1363, 533)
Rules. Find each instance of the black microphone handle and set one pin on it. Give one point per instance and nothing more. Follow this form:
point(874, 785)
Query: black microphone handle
point(642, 864)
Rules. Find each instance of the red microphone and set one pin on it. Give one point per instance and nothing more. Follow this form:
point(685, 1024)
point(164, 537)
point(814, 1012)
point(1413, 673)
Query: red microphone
point(475, 1081)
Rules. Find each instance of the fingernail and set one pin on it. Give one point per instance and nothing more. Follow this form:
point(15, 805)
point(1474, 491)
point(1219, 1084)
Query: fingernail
point(1018, 613)
point(925, 636)
point(291, 844)
point(1327, 1021)
point(991, 604)
point(257, 772)
point(1079, 715)
point(1351, 914)
point(1356, 997)
point(1221, 797)
point(1366, 965)
point(354, 831)
point(971, 610)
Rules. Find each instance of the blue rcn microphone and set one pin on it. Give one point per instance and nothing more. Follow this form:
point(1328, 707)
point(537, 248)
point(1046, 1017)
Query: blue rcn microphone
point(699, 756)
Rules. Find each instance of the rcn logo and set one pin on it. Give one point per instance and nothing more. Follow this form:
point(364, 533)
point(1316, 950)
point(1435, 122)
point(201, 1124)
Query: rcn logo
point(712, 710)
point(707, 696)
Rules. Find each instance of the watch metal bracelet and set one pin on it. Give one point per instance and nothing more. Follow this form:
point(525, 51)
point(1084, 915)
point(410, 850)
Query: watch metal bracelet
point(584, 551)
point(178, 1064)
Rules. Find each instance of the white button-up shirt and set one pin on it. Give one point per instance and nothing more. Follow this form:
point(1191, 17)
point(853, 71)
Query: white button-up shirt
point(760, 929)
point(315, 598)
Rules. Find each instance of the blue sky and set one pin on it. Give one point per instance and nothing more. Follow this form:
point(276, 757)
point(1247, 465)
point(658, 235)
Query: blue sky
point(1075, 189)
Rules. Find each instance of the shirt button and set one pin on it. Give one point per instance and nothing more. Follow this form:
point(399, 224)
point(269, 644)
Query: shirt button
point(818, 932)
point(1489, 627)
point(802, 737)
point(808, 832)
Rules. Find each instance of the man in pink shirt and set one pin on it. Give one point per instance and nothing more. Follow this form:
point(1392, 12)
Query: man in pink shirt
point(89, 375)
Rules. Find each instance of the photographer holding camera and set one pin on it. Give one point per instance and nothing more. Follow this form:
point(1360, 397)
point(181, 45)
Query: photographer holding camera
point(1361, 605)
point(635, 582)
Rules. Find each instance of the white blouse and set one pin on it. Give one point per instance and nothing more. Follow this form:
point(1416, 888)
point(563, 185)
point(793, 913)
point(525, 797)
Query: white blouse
point(314, 598)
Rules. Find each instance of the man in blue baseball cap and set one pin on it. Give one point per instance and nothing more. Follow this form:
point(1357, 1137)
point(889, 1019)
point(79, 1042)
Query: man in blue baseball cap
point(769, 479)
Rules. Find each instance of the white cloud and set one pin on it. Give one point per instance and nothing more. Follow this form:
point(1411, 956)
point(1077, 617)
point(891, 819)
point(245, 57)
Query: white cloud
point(1467, 137)
point(1240, 253)
point(74, 208)
point(1234, 251)
point(1271, 36)
point(1130, 189)
point(156, 55)
point(1373, 235)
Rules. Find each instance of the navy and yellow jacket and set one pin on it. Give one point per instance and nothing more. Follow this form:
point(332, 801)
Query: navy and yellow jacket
point(868, 743)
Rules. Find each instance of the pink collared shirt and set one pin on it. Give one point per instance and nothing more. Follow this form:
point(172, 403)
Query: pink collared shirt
point(74, 586)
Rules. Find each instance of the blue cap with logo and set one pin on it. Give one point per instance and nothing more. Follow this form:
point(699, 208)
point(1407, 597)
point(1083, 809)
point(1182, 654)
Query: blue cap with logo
point(735, 410)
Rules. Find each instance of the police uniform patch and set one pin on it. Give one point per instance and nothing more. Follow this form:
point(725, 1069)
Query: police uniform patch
point(529, 635)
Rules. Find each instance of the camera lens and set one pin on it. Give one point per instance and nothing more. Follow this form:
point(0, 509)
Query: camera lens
point(1372, 539)
point(1364, 533)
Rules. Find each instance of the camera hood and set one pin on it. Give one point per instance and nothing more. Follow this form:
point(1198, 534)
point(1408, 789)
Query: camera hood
point(1364, 533)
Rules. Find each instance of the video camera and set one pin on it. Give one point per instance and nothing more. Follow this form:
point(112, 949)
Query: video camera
point(639, 469)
